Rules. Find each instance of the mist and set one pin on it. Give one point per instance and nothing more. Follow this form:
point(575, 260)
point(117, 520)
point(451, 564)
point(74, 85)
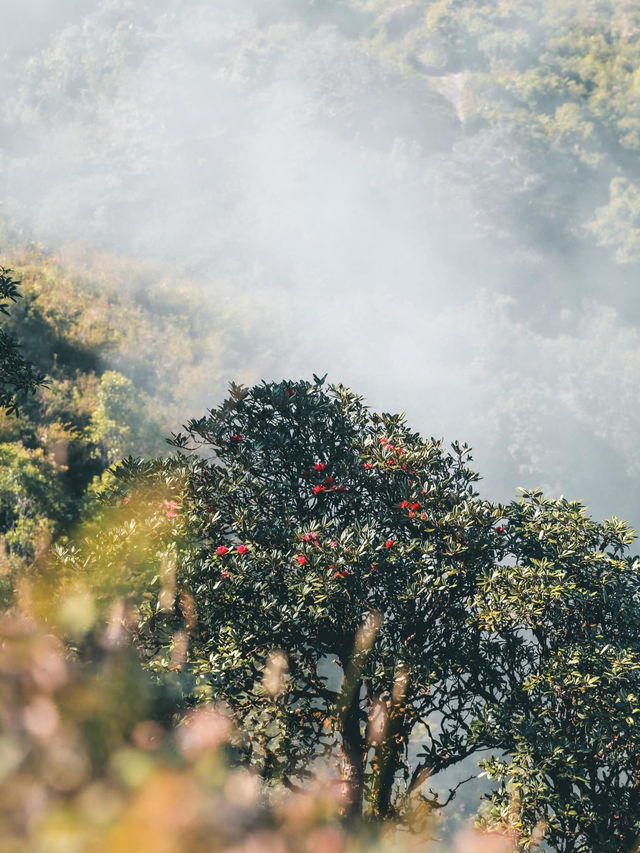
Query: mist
point(391, 239)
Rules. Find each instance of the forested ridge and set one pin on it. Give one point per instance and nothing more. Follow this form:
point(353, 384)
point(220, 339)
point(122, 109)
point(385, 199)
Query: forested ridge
point(476, 161)
point(439, 204)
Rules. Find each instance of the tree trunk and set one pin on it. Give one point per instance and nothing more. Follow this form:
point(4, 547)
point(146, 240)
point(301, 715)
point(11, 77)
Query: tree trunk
point(352, 756)
point(386, 765)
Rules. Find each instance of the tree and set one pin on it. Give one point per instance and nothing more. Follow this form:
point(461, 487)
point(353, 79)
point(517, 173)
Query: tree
point(564, 605)
point(332, 554)
point(17, 376)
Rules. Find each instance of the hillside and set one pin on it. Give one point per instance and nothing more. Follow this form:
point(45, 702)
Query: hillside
point(123, 367)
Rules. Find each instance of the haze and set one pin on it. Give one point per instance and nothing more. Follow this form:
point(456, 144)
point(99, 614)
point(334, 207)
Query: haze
point(277, 150)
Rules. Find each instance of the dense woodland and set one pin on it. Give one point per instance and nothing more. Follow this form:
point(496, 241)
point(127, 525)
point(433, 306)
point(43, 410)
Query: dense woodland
point(437, 202)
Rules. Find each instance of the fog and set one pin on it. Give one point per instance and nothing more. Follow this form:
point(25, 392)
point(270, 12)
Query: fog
point(272, 149)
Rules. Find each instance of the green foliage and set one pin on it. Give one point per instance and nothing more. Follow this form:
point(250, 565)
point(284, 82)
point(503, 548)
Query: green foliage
point(33, 507)
point(17, 376)
point(565, 609)
point(31, 499)
point(119, 424)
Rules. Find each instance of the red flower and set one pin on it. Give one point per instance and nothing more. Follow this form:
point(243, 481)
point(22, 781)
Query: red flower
point(389, 447)
point(211, 509)
point(373, 565)
point(290, 392)
point(399, 451)
point(319, 466)
point(403, 504)
point(411, 514)
point(242, 549)
point(222, 550)
point(172, 514)
point(415, 505)
point(423, 515)
point(317, 489)
point(225, 575)
point(391, 461)
point(367, 465)
point(499, 529)
point(389, 543)
point(236, 437)
point(342, 489)
point(382, 440)
point(329, 480)
point(336, 574)
point(302, 560)
point(333, 543)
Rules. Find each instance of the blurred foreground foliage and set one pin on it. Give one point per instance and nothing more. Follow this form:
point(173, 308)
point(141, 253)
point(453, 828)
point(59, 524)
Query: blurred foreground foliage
point(98, 757)
point(379, 631)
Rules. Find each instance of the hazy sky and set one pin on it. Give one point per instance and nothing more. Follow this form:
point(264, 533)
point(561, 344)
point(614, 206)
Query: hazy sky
point(263, 145)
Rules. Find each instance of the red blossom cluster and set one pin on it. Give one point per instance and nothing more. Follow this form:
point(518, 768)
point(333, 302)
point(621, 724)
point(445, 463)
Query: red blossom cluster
point(329, 484)
point(341, 573)
point(392, 448)
point(221, 550)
